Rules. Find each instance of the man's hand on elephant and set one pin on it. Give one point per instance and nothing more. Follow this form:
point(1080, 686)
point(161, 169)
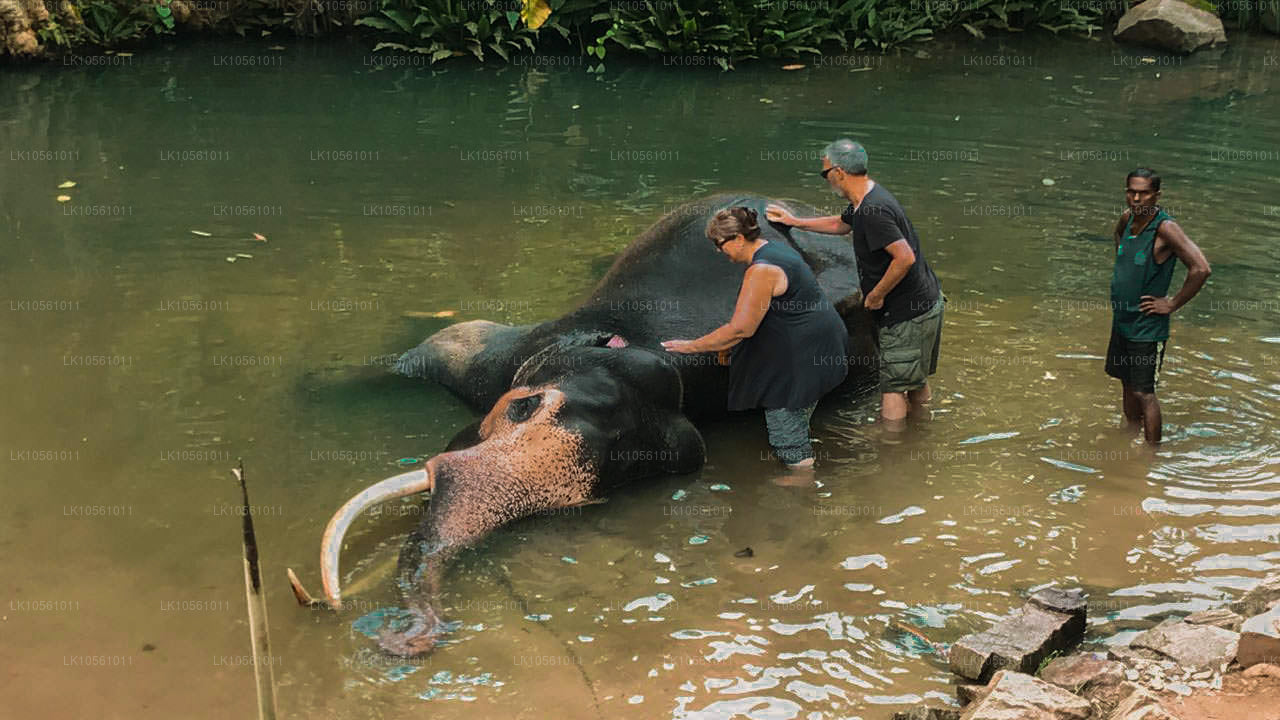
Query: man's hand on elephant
point(778, 215)
point(679, 346)
point(873, 301)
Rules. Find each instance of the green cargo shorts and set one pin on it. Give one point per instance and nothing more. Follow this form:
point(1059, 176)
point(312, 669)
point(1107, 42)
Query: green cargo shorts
point(909, 351)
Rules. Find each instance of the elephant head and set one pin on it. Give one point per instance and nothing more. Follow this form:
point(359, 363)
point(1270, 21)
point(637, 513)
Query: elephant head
point(577, 420)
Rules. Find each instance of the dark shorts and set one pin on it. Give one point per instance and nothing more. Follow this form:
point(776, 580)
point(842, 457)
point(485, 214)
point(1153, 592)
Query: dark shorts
point(789, 433)
point(1135, 363)
point(909, 351)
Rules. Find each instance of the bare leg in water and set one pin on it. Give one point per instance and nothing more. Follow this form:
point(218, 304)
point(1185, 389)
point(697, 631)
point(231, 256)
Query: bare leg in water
point(919, 401)
point(896, 406)
point(1143, 409)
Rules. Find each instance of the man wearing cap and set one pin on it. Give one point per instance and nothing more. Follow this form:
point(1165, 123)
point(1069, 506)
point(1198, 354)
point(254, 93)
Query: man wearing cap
point(898, 285)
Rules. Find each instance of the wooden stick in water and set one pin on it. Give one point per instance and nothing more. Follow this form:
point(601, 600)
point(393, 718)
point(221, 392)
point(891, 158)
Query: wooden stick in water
point(259, 633)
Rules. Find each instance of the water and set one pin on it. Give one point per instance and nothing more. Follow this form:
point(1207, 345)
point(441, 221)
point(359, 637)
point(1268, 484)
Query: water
point(503, 194)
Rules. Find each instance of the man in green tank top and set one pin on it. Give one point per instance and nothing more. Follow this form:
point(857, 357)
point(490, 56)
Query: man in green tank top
point(1147, 240)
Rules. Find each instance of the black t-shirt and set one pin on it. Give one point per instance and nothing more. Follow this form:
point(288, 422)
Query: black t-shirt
point(878, 222)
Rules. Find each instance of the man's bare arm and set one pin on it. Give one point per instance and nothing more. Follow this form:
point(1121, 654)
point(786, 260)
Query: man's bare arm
point(1198, 271)
point(903, 258)
point(827, 224)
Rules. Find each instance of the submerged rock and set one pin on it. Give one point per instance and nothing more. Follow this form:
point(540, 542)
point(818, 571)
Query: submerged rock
point(1170, 25)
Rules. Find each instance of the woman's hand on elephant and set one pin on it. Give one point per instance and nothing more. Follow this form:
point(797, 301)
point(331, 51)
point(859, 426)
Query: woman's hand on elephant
point(778, 215)
point(679, 346)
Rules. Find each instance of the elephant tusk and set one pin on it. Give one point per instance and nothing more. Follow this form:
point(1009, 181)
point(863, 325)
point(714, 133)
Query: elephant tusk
point(393, 487)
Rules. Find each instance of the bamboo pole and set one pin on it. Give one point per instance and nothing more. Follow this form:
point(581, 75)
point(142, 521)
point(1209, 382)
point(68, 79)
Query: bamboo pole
point(259, 633)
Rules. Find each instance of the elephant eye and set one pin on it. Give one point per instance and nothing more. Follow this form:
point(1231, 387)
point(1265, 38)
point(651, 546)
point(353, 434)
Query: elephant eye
point(522, 409)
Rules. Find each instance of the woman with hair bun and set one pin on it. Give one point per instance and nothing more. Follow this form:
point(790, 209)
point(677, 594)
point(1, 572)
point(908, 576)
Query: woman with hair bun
point(788, 343)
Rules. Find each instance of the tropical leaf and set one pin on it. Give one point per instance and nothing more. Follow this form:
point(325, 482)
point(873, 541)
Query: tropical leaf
point(534, 13)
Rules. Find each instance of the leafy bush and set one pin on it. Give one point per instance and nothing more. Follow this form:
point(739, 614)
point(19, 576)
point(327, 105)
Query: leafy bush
point(727, 30)
point(446, 28)
point(885, 23)
point(108, 23)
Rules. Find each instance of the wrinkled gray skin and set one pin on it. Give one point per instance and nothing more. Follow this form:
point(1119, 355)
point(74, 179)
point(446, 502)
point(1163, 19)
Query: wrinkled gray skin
point(567, 418)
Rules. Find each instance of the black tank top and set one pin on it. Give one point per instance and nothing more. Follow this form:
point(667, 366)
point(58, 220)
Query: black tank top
point(799, 352)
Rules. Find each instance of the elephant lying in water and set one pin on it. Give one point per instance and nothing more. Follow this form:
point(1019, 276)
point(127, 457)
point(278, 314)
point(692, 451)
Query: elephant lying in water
point(577, 406)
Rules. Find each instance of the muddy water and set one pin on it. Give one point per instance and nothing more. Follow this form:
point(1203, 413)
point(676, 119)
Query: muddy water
point(139, 363)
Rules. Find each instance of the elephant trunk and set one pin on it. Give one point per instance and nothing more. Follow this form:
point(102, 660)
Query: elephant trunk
point(416, 629)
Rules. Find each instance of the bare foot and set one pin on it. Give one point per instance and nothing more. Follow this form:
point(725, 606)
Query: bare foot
point(799, 474)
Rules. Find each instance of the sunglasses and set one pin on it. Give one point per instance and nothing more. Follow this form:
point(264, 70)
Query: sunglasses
point(826, 172)
point(721, 243)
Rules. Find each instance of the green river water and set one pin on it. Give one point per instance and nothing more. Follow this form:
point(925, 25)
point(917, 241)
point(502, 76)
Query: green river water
point(137, 364)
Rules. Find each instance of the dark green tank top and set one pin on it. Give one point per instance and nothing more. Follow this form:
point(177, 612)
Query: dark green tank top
point(1137, 274)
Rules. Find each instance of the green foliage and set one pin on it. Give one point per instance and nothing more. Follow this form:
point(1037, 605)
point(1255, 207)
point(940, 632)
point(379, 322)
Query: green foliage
point(686, 32)
point(54, 34)
point(445, 28)
point(259, 17)
point(885, 23)
point(1241, 14)
point(1047, 659)
point(725, 30)
point(109, 23)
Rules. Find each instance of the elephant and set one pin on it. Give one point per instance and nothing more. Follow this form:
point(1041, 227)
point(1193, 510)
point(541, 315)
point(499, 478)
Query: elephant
point(580, 405)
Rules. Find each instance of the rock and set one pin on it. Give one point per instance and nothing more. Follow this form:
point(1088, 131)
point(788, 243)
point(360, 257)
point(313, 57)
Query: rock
point(1019, 642)
point(1067, 602)
point(1077, 672)
point(1260, 639)
point(1140, 705)
point(928, 713)
point(1260, 598)
point(1195, 646)
point(1263, 670)
point(1217, 617)
point(971, 693)
point(1131, 655)
point(1016, 696)
point(1170, 25)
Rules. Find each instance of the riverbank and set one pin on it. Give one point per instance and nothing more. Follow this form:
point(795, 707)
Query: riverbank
point(724, 32)
point(1221, 662)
